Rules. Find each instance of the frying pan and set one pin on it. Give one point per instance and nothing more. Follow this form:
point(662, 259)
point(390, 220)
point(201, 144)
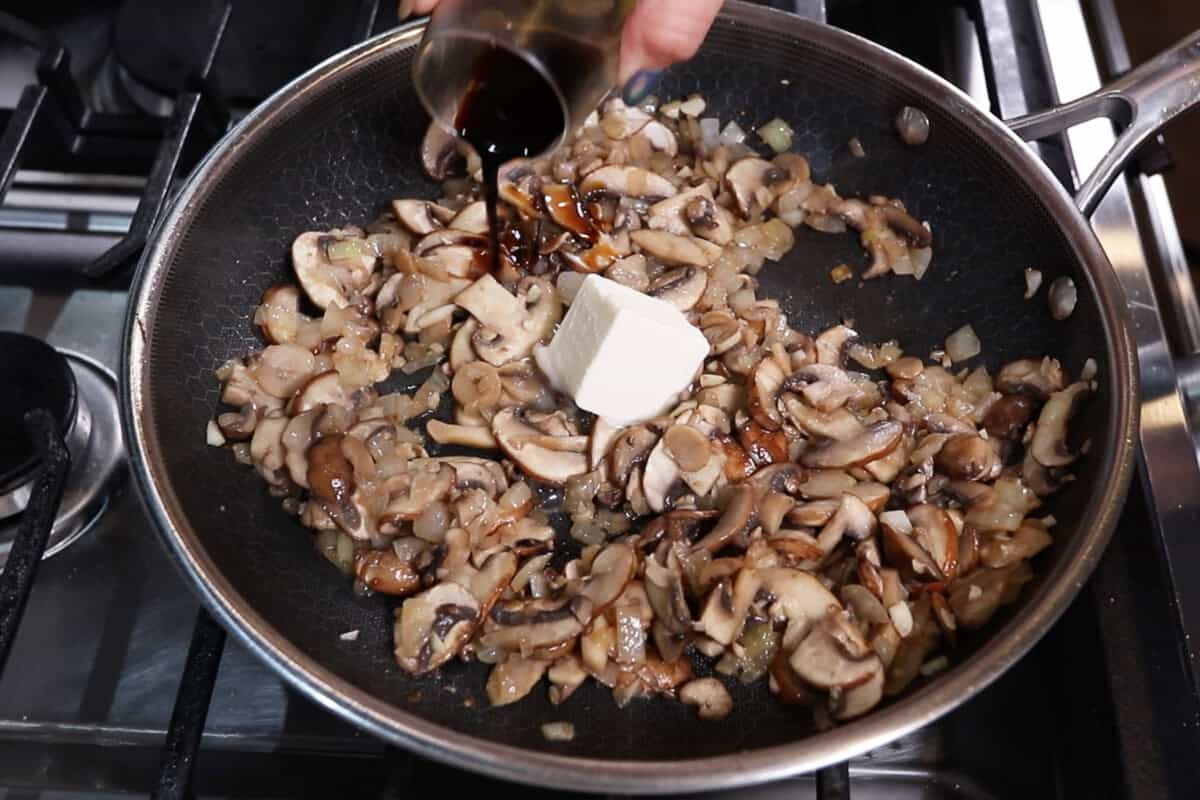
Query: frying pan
point(336, 144)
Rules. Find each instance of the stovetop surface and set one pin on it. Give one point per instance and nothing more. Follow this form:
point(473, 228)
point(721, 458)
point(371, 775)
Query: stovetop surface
point(1100, 708)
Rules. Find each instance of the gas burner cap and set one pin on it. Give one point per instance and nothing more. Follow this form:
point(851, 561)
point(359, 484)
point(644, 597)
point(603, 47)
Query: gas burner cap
point(37, 376)
point(82, 396)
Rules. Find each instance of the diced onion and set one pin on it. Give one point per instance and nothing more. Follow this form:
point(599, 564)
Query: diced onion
point(1033, 282)
point(962, 344)
point(568, 284)
point(777, 135)
point(558, 731)
point(710, 131)
point(732, 134)
point(213, 435)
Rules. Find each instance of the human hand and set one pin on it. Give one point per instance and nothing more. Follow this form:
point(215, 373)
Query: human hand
point(658, 34)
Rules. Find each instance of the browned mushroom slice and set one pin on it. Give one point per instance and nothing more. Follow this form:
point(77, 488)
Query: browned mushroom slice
point(321, 390)
point(283, 369)
point(472, 218)
point(566, 675)
point(383, 571)
point(433, 626)
point(532, 626)
point(439, 152)
point(469, 472)
point(1049, 446)
point(754, 183)
point(738, 520)
point(823, 483)
point(874, 495)
point(279, 316)
point(968, 458)
point(513, 678)
point(490, 581)
point(874, 442)
point(627, 181)
point(671, 248)
point(546, 457)
point(238, 426)
point(935, 532)
point(831, 345)
point(710, 697)
point(693, 212)
point(241, 388)
point(419, 215)
point(823, 386)
point(427, 483)
point(834, 654)
point(1031, 377)
point(664, 588)
point(974, 598)
point(660, 476)
point(330, 266)
point(631, 448)
point(462, 352)
point(475, 436)
point(903, 552)
point(765, 382)
point(266, 447)
point(297, 437)
point(813, 514)
point(600, 443)
point(510, 326)
point(1007, 417)
point(852, 519)
point(838, 425)
point(858, 700)
point(612, 569)
point(681, 288)
point(762, 446)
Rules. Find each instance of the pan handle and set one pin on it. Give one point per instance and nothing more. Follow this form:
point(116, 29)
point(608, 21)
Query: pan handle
point(1144, 101)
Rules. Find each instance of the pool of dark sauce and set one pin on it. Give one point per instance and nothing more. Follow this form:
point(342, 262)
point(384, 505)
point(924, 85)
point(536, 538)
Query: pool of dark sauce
point(509, 109)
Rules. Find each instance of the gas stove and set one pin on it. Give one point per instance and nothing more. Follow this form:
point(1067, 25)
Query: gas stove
point(115, 679)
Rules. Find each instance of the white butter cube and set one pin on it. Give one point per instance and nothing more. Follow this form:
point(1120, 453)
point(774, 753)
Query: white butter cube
point(620, 354)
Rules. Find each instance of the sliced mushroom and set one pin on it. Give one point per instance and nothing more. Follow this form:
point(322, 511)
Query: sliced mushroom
point(383, 571)
point(660, 476)
point(1032, 377)
point(331, 266)
point(858, 700)
point(630, 271)
point(710, 697)
point(823, 386)
point(935, 532)
point(535, 451)
point(279, 316)
point(532, 626)
point(967, 458)
point(630, 449)
point(762, 399)
point(1049, 446)
point(626, 181)
point(852, 519)
point(472, 218)
point(446, 238)
point(754, 184)
point(439, 152)
point(426, 482)
point(566, 675)
point(664, 588)
point(831, 344)
point(433, 627)
point(283, 369)
point(875, 441)
point(321, 390)
point(672, 248)
point(419, 215)
point(903, 552)
point(611, 570)
point(681, 288)
point(475, 436)
point(513, 678)
point(737, 520)
point(238, 426)
point(838, 425)
point(510, 326)
point(1007, 417)
point(834, 655)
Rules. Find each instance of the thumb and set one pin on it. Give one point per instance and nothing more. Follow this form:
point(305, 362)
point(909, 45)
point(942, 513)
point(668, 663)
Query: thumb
point(661, 32)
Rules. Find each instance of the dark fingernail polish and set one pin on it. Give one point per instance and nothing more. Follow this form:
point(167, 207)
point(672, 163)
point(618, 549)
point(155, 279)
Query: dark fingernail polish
point(640, 85)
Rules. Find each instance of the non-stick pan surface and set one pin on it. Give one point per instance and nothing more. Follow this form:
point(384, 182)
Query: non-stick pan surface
point(335, 146)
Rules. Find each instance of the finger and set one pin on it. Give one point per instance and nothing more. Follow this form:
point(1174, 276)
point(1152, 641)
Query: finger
point(410, 7)
point(660, 33)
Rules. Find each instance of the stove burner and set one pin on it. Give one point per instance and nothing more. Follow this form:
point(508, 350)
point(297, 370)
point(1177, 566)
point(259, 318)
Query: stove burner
point(92, 429)
point(37, 376)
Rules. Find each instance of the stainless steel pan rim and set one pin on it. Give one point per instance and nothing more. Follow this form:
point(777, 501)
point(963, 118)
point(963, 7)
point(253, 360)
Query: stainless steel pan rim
point(393, 724)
